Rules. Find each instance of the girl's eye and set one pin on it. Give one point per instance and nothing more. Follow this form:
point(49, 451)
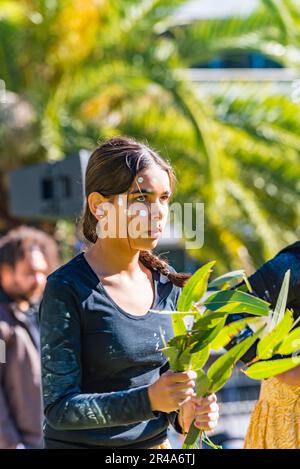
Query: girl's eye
point(142, 198)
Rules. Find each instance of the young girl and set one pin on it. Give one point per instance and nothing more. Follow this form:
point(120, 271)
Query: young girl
point(106, 384)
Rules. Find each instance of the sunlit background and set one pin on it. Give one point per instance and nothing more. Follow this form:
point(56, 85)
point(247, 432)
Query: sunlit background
point(213, 85)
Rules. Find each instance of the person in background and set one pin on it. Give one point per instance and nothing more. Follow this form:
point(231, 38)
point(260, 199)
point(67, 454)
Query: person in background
point(276, 417)
point(275, 421)
point(27, 256)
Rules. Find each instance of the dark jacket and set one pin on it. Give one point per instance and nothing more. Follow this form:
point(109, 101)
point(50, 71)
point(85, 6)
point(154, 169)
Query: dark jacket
point(20, 376)
point(266, 283)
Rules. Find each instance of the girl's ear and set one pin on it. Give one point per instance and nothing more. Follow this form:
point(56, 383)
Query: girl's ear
point(94, 200)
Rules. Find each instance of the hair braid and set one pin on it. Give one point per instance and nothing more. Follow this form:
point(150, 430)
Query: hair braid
point(152, 261)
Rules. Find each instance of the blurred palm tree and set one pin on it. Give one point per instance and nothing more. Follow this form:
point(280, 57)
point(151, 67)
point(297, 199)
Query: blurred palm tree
point(93, 68)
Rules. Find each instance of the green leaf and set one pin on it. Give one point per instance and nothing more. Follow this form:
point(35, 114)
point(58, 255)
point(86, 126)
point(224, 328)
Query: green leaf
point(226, 278)
point(179, 326)
point(184, 360)
point(209, 442)
point(268, 343)
point(195, 287)
point(172, 354)
point(266, 369)
point(244, 288)
point(178, 341)
point(236, 301)
point(205, 337)
point(227, 307)
point(282, 299)
point(193, 290)
point(245, 278)
point(190, 441)
point(208, 321)
point(220, 371)
point(230, 331)
point(192, 361)
point(203, 383)
point(199, 359)
point(291, 343)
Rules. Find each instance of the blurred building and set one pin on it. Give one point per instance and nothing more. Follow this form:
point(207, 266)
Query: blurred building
point(239, 67)
point(206, 9)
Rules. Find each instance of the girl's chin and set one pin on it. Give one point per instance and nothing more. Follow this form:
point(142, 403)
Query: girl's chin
point(146, 243)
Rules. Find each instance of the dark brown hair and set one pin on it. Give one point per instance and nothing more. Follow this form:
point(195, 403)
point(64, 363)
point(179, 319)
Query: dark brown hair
point(19, 241)
point(111, 170)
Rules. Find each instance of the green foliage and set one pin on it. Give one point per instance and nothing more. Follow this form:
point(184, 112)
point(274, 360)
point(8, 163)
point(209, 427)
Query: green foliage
point(220, 371)
point(195, 287)
point(206, 336)
point(85, 74)
point(191, 349)
point(236, 302)
point(278, 340)
point(229, 279)
point(268, 344)
point(281, 301)
point(266, 369)
point(291, 343)
point(232, 330)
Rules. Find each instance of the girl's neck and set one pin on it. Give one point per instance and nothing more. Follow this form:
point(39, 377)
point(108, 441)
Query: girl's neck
point(110, 258)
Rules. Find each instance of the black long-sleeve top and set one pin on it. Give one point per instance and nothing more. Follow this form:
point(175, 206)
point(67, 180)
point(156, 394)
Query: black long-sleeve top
point(98, 362)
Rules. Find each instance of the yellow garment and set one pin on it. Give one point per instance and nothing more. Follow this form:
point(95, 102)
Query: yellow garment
point(275, 421)
point(165, 445)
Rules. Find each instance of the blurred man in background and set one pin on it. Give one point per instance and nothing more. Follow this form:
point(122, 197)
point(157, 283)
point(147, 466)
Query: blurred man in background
point(27, 256)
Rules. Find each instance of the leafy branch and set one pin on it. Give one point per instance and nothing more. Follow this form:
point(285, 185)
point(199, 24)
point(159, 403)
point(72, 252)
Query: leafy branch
point(191, 346)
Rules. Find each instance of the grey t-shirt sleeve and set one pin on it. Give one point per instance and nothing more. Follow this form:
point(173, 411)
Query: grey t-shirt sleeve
point(66, 407)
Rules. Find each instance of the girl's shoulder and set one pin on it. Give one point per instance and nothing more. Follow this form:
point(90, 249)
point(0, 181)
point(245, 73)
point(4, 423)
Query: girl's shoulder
point(71, 274)
point(69, 269)
point(72, 284)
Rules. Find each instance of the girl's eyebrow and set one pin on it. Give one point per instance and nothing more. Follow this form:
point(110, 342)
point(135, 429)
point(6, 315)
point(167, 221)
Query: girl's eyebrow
point(148, 191)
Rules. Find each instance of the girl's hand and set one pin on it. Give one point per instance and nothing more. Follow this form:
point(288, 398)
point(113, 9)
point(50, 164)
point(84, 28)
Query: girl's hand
point(172, 390)
point(204, 410)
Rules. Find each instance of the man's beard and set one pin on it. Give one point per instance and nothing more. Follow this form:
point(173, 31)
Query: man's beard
point(20, 295)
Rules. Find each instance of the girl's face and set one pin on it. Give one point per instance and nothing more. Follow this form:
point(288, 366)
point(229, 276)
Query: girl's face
point(148, 206)
point(145, 211)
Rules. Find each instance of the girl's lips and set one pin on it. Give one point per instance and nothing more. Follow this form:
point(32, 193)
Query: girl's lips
point(154, 233)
